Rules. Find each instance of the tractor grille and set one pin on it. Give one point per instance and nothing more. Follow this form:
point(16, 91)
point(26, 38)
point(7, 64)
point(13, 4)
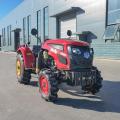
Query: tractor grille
point(83, 78)
point(78, 63)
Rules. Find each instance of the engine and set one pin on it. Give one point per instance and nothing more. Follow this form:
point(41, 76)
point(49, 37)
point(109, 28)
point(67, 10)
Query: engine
point(44, 60)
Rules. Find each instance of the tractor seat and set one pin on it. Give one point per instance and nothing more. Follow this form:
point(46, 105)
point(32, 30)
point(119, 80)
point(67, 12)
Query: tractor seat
point(36, 50)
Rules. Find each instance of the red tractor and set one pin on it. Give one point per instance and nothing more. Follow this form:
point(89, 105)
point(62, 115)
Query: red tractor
point(57, 61)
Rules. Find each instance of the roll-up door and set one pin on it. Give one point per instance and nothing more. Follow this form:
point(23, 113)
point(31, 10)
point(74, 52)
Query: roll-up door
point(67, 24)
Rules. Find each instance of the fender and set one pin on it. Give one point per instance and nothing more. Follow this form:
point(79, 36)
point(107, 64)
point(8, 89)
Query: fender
point(28, 56)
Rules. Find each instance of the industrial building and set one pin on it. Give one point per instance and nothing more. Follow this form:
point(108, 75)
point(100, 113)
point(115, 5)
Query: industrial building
point(97, 22)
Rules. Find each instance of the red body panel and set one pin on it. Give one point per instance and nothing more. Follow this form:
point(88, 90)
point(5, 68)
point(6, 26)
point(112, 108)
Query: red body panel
point(55, 52)
point(28, 56)
point(64, 42)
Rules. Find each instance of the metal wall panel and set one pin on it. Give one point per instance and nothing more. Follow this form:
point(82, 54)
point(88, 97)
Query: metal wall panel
point(92, 20)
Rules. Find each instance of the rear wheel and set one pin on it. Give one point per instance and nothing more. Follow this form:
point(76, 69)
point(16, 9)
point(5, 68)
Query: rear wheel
point(48, 85)
point(23, 75)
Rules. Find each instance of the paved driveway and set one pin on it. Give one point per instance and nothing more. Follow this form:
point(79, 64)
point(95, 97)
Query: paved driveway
point(23, 102)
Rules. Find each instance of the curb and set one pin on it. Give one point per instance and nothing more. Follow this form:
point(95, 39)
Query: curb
point(107, 59)
point(8, 53)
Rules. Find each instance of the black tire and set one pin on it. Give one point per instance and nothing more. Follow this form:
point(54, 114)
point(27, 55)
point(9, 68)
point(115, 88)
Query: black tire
point(25, 75)
point(50, 83)
point(95, 88)
point(98, 85)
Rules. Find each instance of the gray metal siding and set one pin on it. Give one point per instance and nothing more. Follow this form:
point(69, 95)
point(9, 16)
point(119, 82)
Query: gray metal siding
point(92, 20)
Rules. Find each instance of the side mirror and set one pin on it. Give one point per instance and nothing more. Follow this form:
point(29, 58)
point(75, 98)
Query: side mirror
point(69, 33)
point(28, 43)
point(34, 32)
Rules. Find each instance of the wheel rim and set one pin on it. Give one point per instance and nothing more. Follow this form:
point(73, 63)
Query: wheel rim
point(18, 68)
point(44, 85)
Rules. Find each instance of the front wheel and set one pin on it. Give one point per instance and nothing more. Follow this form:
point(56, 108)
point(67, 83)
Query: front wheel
point(23, 75)
point(48, 85)
point(98, 85)
point(95, 88)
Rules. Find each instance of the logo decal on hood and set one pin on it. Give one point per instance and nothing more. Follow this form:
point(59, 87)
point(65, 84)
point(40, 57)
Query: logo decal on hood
point(86, 55)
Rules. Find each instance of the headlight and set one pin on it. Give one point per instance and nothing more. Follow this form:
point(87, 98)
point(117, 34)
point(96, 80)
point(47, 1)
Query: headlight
point(76, 51)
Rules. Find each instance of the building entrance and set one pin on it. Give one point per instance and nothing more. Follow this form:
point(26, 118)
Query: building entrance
point(17, 38)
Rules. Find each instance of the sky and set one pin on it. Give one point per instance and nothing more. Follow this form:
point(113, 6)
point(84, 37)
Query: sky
point(7, 5)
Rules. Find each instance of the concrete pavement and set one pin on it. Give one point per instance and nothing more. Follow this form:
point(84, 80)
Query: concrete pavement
point(23, 102)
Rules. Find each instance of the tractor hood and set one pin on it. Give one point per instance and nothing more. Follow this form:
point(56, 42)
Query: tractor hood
point(63, 42)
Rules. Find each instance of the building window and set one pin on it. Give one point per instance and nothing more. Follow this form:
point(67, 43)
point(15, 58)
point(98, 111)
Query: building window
point(10, 39)
point(9, 35)
point(46, 23)
point(3, 37)
point(112, 31)
point(29, 28)
point(113, 11)
point(24, 29)
point(0, 43)
point(39, 25)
